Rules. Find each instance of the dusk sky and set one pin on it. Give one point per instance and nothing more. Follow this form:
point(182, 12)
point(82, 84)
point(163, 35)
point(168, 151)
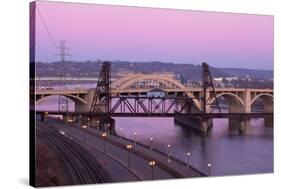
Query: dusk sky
point(148, 34)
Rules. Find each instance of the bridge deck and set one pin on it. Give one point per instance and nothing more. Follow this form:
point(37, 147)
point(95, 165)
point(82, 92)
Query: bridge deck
point(118, 91)
point(207, 115)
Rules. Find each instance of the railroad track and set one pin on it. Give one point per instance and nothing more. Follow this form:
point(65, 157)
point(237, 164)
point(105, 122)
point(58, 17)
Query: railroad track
point(79, 163)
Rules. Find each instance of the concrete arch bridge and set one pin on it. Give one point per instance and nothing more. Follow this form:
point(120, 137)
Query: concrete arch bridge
point(136, 87)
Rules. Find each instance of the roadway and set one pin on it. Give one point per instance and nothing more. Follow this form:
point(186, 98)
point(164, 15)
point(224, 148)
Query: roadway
point(115, 157)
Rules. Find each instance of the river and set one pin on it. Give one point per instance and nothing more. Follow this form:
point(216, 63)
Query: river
point(228, 151)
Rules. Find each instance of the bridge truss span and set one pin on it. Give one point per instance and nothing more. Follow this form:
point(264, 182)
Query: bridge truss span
point(153, 105)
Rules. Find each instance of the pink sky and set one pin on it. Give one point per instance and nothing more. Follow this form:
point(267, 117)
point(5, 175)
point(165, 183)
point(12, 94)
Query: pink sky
point(146, 34)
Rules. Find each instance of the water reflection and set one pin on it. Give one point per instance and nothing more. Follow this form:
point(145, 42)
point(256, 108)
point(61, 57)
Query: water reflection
point(229, 151)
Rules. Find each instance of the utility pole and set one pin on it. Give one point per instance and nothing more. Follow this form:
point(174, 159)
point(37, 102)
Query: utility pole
point(63, 105)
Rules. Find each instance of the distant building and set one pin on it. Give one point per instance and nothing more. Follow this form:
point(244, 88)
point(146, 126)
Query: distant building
point(218, 79)
point(231, 78)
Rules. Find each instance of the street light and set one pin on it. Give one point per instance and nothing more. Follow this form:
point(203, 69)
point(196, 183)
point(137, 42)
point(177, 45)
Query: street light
point(104, 137)
point(168, 151)
point(188, 159)
point(98, 124)
point(121, 129)
point(151, 142)
point(209, 168)
point(135, 137)
point(129, 147)
point(70, 132)
point(85, 137)
point(84, 127)
point(80, 119)
point(152, 163)
point(108, 126)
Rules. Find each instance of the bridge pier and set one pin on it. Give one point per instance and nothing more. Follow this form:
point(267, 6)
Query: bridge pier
point(239, 123)
point(236, 123)
point(68, 118)
point(206, 124)
point(107, 124)
point(198, 123)
point(268, 107)
point(244, 123)
point(268, 121)
point(43, 117)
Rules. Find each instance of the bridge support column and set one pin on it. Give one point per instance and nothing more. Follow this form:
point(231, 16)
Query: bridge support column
point(236, 123)
point(107, 124)
point(43, 117)
point(239, 123)
point(206, 124)
point(268, 108)
point(82, 107)
point(247, 101)
point(198, 123)
point(268, 121)
point(244, 123)
point(67, 118)
point(96, 122)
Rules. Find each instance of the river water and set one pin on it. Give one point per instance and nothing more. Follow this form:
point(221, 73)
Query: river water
point(228, 151)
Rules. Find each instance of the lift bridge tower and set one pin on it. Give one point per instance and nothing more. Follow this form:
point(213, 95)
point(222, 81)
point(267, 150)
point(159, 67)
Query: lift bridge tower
point(63, 104)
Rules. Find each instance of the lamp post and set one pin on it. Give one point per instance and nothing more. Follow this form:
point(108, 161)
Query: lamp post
point(135, 137)
point(168, 151)
point(209, 169)
point(152, 163)
point(85, 137)
point(108, 128)
point(84, 127)
point(80, 119)
point(151, 143)
point(121, 130)
point(98, 124)
point(70, 132)
point(188, 159)
point(104, 137)
point(129, 147)
point(44, 116)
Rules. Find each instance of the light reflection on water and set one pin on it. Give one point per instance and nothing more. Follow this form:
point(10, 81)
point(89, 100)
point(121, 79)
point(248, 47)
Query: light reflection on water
point(229, 151)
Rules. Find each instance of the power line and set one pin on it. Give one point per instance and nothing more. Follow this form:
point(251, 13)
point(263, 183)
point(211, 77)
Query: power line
point(46, 28)
point(42, 51)
point(32, 15)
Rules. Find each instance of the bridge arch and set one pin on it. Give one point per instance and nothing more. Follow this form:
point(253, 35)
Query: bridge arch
point(74, 98)
point(168, 81)
point(235, 103)
point(121, 80)
point(265, 97)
